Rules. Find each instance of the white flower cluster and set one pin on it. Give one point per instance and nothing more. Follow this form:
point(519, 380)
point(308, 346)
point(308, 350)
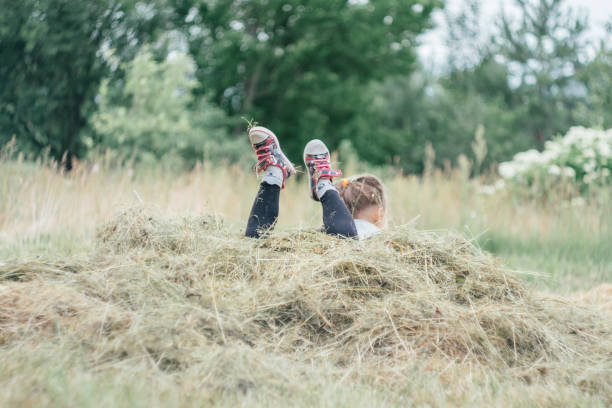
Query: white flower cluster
point(583, 154)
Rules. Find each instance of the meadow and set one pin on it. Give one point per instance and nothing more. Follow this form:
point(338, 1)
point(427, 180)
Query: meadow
point(566, 241)
point(131, 286)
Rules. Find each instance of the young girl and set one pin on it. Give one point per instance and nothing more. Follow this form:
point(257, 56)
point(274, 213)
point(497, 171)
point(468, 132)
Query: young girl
point(354, 207)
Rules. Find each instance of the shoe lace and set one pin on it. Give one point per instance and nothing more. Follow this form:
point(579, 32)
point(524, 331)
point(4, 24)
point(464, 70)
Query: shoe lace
point(321, 164)
point(264, 153)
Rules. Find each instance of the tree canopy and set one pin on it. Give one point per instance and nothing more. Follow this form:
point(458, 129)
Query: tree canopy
point(52, 54)
point(148, 78)
point(300, 67)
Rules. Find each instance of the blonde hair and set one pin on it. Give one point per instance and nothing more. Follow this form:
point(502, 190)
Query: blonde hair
point(362, 191)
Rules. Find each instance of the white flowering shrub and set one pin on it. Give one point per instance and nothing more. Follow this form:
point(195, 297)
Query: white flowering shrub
point(583, 155)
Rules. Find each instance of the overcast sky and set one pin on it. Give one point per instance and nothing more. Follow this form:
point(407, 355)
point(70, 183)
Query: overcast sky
point(433, 51)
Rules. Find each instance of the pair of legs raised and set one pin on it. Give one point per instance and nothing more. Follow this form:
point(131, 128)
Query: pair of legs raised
point(271, 161)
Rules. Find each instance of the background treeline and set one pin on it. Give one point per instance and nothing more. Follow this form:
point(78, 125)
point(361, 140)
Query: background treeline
point(150, 79)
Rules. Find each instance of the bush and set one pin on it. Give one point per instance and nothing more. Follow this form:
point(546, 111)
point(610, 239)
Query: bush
point(582, 155)
point(155, 115)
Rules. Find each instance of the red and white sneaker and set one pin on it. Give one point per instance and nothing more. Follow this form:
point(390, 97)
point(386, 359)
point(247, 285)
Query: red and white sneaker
point(316, 160)
point(269, 153)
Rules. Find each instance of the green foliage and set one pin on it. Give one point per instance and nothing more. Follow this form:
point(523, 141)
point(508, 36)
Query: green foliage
point(160, 116)
point(596, 110)
point(582, 154)
point(408, 112)
point(544, 49)
point(340, 70)
point(300, 67)
point(52, 65)
point(528, 83)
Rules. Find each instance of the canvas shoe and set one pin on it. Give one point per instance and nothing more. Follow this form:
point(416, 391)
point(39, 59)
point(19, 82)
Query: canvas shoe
point(316, 160)
point(269, 153)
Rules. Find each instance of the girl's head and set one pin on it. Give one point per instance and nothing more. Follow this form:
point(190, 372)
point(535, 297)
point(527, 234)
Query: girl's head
point(364, 196)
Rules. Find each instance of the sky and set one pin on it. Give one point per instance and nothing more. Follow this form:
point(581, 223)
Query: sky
point(432, 51)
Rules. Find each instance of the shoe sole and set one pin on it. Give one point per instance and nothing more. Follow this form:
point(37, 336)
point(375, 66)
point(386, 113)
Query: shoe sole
point(259, 134)
point(314, 147)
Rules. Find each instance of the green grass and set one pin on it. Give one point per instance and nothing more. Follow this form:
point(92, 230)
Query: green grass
point(46, 245)
point(566, 263)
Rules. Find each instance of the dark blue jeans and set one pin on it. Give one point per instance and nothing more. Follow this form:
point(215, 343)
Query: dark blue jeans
point(337, 219)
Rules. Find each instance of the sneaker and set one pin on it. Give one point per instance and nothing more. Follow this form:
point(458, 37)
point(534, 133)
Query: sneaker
point(316, 160)
point(269, 153)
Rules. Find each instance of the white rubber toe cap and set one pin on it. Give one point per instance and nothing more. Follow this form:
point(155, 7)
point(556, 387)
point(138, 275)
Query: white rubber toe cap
point(315, 146)
point(259, 134)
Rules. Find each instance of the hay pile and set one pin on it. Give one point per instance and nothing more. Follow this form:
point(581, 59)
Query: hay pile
point(178, 290)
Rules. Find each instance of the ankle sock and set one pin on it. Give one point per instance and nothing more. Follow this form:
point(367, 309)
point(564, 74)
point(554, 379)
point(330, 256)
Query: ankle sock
point(273, 176)
point(323, 186)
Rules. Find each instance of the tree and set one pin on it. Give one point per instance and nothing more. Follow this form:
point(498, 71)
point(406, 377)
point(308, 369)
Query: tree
point(544, 50)
point(155, 114)
point(446, 110)
point(53, 62)
point(300, 67)
point(530, 81)
point(596, 75)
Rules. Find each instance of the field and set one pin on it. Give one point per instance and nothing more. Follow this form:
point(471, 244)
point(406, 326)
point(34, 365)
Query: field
point(134, 287)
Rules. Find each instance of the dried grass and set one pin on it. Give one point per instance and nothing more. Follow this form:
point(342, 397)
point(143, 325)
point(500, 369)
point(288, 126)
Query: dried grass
point(177, 290)
point(599, 297)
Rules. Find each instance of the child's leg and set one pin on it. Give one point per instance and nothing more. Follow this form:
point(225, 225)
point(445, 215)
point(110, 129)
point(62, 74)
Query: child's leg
point(276, 168)
point(264, 212)
point(336, 217)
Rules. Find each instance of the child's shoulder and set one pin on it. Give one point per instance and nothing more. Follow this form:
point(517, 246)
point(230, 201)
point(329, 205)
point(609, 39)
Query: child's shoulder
point(365, 229)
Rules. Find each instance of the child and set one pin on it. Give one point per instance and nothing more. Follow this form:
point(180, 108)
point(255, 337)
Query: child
point(358, 212)
point(365, 198)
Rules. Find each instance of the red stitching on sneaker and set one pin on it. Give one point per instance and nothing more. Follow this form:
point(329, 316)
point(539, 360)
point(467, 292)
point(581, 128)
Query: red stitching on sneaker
point(323, 167)
point(264, 155)
point(265, 158)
